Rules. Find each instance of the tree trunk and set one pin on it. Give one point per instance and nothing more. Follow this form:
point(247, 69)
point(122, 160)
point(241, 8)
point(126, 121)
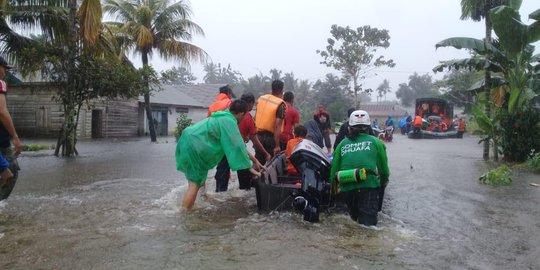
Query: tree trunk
point(147, 107)
point(355, 85)
point(487, 77)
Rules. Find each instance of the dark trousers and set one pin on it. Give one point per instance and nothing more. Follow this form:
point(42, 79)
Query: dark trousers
point(244, 179)
point(223, 174)
point(326, 137)
point(267, 140)
point(460, 134)
point(364, 205)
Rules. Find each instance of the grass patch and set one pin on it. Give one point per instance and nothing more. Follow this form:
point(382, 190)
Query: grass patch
point(497, 177)
point(534, 163)
point(35, 147)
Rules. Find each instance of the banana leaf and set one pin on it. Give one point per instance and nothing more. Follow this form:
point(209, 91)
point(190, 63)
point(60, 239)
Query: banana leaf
point(512, 33)
point(479, 46)
point(484, 123)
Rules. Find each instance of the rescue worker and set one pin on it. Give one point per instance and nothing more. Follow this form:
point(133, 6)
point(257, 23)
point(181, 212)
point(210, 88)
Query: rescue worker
point(366, 155)
point(203, 145)
point(223, 171)
point(300, 133)
point(223, 100)
point(417, 124)
point(271, 110)
point(461, 128)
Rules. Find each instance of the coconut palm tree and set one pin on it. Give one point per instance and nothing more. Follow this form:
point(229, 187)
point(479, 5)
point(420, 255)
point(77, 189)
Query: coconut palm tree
point(160, 25)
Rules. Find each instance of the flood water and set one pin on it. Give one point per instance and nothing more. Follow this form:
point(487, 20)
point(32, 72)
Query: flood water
point(116, 206)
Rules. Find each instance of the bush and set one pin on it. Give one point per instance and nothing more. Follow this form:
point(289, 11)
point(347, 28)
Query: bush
point(181, 123)
point(519, 134)
point(497, 177)
point(534, 163)
point(35, 147)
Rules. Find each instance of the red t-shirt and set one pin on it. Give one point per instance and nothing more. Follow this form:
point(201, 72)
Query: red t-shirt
point(247, 127)
point(292, 117)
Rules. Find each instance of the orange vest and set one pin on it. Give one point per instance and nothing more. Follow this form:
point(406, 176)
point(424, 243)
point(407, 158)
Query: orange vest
point(222, 103)
point(266, 114)
point(288, 151)
point(417, 121)
point(461, 126)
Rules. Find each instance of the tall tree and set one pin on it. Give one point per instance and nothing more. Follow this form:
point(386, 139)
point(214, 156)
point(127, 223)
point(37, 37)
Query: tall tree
point(405, 94)
point(179, 75)
point(257, 84)
point(353, 52)
point(161, 25)
point(419, 86)
point(69, 43)
point(332, 92)
point(383, 89)
point(216, 74)
point(457, 85)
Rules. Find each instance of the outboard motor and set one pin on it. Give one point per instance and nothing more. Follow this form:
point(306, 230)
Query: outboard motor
point(314, 167)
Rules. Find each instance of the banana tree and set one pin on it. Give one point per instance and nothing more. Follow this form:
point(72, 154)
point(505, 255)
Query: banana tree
point(515, 38)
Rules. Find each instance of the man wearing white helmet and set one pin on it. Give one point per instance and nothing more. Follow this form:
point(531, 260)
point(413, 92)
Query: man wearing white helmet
point(360, 170)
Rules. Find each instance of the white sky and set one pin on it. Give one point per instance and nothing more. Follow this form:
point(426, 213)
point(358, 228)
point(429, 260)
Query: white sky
point(257, 35)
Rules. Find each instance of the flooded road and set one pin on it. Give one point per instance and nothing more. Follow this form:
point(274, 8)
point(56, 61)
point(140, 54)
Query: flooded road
point(116, 206)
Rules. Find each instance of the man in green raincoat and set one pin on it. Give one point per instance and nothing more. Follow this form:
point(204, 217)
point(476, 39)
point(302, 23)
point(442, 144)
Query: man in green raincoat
point(203, 145)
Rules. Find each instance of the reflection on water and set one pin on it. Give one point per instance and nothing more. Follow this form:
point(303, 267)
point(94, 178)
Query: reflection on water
point(117, 207)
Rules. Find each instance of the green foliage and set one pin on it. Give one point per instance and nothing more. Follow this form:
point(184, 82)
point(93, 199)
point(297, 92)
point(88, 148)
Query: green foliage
point(534, 162)
point(35, 147)
point(419, 86)
point(181, 123)
point(497, 177)
point(216, 74)
point(352, 51)
point(520, 132)
point(179, 75)
point(456, 84)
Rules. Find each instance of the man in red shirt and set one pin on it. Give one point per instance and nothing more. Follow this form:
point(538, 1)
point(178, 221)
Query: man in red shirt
point(292, 118)
point(247, 129)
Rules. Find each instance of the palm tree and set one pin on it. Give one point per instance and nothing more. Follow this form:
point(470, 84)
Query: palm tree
point(477, 10)
point(157, 24)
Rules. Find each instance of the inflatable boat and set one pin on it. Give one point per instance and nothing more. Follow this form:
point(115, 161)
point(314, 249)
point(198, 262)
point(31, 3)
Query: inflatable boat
point(307, 192)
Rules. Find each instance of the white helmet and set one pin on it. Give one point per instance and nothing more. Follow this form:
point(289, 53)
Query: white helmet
point(359, 117)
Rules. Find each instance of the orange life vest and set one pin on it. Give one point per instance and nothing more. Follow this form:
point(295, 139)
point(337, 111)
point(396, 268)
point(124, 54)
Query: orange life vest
point(223, 102)
point(461, 126)
point(266, 114)
point(291, 144)
point(417, 121)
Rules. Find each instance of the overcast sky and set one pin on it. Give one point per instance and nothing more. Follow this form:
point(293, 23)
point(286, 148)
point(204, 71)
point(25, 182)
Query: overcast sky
point(257, 35)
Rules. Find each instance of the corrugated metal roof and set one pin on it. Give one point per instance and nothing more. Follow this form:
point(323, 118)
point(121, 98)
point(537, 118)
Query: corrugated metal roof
point(199, 95)
point(382, 109)
point(171, 95)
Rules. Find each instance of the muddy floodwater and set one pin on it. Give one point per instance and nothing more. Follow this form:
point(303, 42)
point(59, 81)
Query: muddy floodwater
point(116, 206)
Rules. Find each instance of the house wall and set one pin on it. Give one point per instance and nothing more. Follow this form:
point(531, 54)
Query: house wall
point(36, 114)
point(174, 111)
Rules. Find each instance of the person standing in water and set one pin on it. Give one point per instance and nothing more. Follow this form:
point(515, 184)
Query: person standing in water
point(364, 156)
point(203, 145)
